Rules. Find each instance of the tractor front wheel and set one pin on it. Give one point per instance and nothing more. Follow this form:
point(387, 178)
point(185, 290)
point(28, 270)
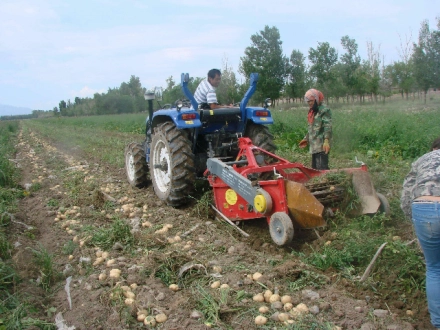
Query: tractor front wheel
point(136, 166)
point(281, 228)
point(171, 164)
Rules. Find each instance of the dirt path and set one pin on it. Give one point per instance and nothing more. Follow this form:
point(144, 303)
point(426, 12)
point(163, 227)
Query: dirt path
point(76, 223)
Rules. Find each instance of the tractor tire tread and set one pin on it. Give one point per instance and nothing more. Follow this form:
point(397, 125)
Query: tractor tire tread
point(140, 164)
point(182, 162)
point(261, 137)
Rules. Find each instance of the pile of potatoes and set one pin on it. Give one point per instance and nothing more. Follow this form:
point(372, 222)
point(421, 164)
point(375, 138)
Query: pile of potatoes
point(289, 314)
point(277, 302)
point(130, 300)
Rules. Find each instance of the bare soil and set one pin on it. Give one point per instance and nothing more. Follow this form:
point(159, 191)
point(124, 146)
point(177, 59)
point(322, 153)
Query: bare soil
point(99, 304)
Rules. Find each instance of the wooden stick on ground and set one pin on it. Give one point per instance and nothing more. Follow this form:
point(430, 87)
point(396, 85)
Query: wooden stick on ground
point(410, 242)
point(190, 230)
point(370, 266)
point(12, 218)
point(230, 222)
point(109, 198)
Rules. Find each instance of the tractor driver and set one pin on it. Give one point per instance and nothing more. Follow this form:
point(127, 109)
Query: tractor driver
point(205, 94)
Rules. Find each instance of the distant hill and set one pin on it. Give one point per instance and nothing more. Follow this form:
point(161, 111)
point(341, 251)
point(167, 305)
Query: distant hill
point(8, 110)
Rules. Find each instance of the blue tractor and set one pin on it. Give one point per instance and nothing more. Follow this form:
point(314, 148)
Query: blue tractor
point(179, 141)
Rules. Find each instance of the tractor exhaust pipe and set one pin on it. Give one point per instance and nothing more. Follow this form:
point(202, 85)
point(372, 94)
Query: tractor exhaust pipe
point(149, 96)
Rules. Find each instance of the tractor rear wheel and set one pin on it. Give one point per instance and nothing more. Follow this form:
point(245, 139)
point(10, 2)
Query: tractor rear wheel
point(171, 164)
point(136, 166)
point(261, 137)
point(281, 228)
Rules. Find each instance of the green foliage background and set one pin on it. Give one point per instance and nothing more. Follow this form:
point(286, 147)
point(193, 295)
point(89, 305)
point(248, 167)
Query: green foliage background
point(394, 129)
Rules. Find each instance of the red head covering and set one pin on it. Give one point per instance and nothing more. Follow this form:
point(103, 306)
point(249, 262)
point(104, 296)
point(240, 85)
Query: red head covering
point(314, 94)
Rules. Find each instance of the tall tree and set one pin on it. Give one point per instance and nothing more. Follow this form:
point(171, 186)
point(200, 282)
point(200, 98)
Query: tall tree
point(227, 91)
point(372, 70)
point(386, 81)
point(265, 56)
point(323, 58)
point(402, 74)
point(298, 83)
point(172, 92)
point(170, 83)
point(403, 69)
point(423, 70)
point(134, 87)
point(337, 88)
point(350, 64)
point(435, 54)
point(426, 58)
point(62, 107)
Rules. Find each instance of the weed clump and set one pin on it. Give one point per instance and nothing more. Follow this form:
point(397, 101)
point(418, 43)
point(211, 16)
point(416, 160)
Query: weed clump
point(118, 232)
point(46, 266)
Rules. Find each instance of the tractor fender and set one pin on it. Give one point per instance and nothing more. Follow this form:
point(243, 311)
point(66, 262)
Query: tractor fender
point(259, 115)
point(176, 118)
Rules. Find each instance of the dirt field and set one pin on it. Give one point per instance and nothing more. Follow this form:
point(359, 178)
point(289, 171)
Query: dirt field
point(67, 206)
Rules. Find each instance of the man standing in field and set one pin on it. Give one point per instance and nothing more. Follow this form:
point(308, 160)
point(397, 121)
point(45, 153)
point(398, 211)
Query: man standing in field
point(205, 93)
point(319, 131)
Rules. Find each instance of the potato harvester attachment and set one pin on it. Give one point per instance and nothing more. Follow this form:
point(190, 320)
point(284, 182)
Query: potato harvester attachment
point(289, 198)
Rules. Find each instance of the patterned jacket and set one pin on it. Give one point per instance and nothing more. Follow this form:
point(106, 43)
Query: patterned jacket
point(320, 129)
point(422, 180)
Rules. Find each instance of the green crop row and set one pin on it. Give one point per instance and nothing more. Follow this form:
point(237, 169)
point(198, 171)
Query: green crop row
point(400, 128)
point(126, 123)
point(7, 129)
point(15, 310)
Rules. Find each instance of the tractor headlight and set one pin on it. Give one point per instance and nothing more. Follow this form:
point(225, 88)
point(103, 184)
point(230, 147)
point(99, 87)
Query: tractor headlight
point(268, 102)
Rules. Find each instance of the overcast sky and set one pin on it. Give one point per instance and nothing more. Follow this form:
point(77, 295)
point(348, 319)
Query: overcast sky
point(52, 50)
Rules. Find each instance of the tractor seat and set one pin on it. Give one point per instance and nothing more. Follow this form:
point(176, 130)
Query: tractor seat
point(220, 114)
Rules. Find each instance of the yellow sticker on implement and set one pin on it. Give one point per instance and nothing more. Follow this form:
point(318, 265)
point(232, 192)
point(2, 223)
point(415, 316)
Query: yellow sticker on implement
point(231, 197)
point(189, 122)
point(211, 112)
point(263, 118)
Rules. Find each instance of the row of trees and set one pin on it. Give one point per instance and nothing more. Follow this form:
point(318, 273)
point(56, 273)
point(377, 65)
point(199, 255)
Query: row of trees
point(128, 98)
point(34, 114)
point(345, 77)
